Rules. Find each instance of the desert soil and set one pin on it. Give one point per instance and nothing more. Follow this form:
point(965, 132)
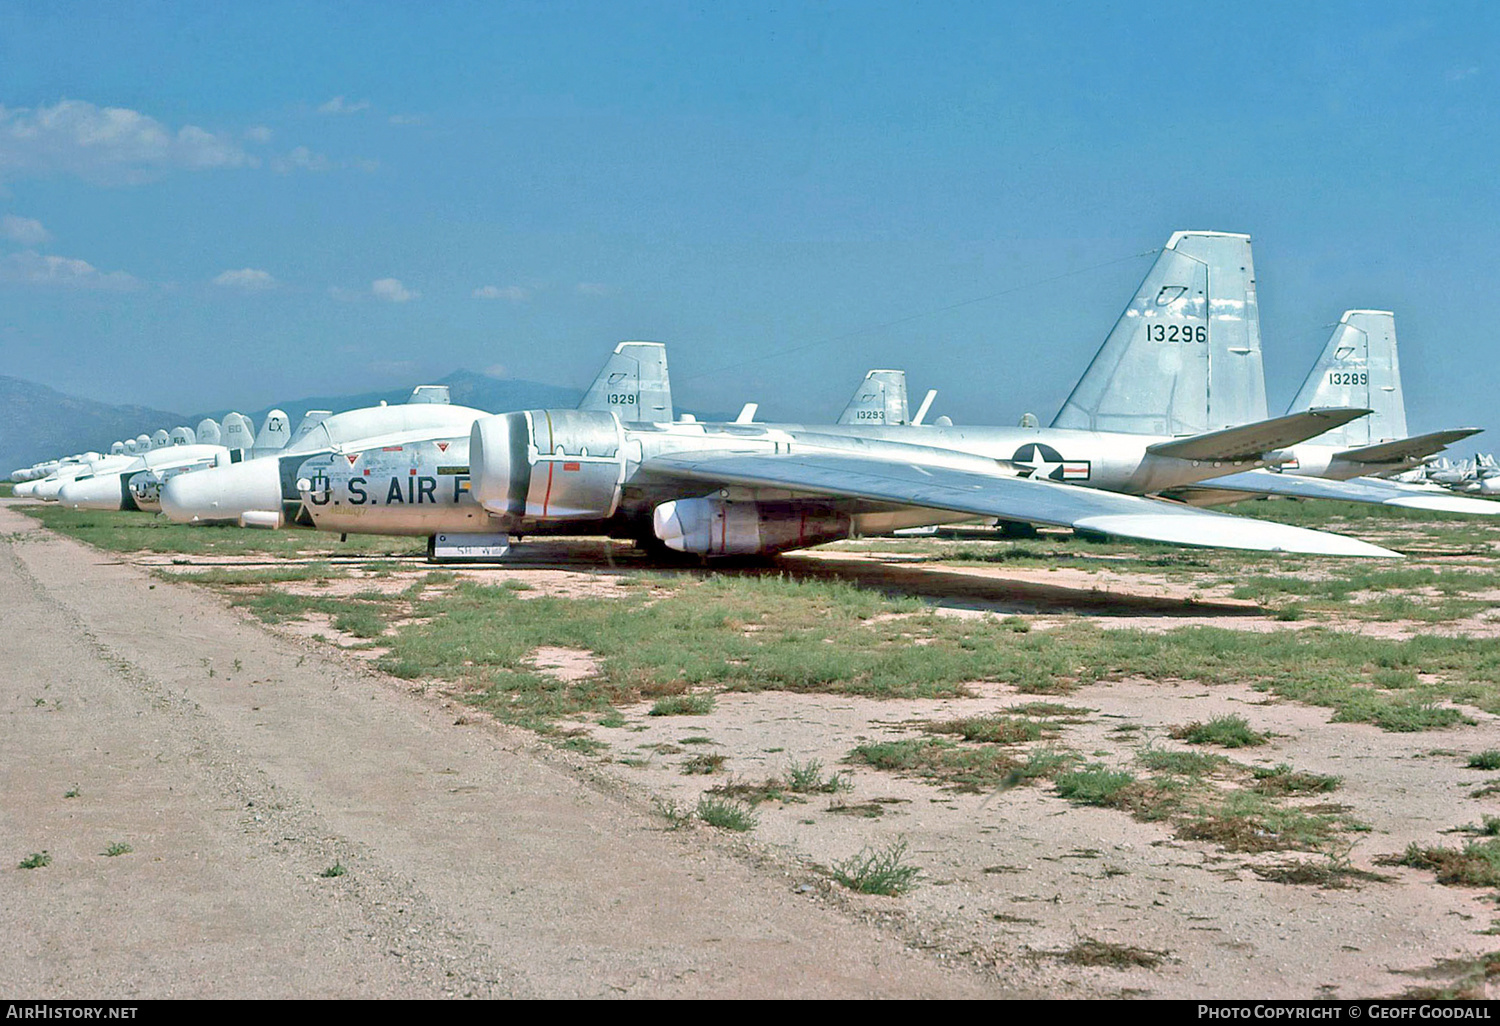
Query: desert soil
point(241, 763)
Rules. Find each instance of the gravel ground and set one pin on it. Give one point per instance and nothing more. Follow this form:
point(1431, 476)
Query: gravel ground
point(240, 767)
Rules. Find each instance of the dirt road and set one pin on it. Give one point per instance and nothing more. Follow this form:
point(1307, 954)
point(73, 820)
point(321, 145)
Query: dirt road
point(240, 767)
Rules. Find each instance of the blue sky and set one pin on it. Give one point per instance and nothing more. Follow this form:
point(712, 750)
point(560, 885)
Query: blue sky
point(204, 206)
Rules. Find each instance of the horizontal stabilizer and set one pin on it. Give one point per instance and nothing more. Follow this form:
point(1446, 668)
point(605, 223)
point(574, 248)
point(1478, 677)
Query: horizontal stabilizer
point(929, 485)
point(1360, 489)
point(1249, 441)
point(1407, 449)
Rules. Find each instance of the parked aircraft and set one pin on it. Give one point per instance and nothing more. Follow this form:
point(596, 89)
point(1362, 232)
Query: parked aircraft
point(1360, 364)
point(406, 449)
point(1201, 279)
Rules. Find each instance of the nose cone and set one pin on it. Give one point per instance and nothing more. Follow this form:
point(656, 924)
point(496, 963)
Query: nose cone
point(103, 491)
point(223, 494)
point(47, 490)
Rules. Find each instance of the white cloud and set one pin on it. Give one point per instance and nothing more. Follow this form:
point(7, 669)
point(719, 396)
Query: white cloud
point(259, 133)
point(406, 119)
point(496, 370)
point(107, 144)
point(514, 293)
point(592, 288)
point(1459, 74)
point(23, 230)
point(392, 291)
point(301, 159)
point(249, 279)
point(32, 268)
point(339, 105)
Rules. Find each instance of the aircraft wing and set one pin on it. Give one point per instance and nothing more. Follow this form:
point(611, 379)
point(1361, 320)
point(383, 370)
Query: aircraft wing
point(1360, 489)
point(1407, 448)
point(913, 483)
point(1249, 441)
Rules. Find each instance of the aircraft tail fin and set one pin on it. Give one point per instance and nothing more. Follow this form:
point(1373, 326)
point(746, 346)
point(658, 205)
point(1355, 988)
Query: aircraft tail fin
point(160, 439)
point(207, 431)
point(1359, 367)
point(183, 436)
point(1184, 358)
point(237, 431)
point(634, 384)
point(437, 394)
point(312, 418)
point(879, 399)
point(274, 434)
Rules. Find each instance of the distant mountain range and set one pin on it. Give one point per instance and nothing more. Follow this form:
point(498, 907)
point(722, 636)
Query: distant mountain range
point(38, 423)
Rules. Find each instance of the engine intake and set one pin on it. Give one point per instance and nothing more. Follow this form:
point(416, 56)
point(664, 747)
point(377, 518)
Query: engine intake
point(548, 465)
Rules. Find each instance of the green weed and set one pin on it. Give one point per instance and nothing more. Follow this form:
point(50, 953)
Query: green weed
point(1225, 731)
point(878, 872)
point(683, 705)
point(725, 814)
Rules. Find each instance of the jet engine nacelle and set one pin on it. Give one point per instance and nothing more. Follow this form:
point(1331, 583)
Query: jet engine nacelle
point(548, 465)
point(717, 527)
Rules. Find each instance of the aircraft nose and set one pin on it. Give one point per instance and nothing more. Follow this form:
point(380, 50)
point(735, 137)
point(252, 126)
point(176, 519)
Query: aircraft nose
point(223, 494)
point(47, 490)
point(101, 492)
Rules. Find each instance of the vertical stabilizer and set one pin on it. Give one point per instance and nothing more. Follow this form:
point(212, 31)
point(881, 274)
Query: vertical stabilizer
point(207, 431)
point(633, 384)
point(183, 436)
point(437, 394)
point(160, 439)
point(237, 431)
point(312, 418)
point(1184, 358)
point(879, 399)
point(274, 434)
point(1359, 367)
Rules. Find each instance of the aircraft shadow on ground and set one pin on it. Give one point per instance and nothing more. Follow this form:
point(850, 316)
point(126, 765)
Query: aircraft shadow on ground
point(989, 592)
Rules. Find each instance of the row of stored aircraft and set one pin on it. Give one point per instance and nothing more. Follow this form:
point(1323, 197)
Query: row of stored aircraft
point(1170, 415)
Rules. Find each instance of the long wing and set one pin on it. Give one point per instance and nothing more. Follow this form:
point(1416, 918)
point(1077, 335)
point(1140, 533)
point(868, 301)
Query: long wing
point(1248, 441)
point(913, 483)
point(1233, 487)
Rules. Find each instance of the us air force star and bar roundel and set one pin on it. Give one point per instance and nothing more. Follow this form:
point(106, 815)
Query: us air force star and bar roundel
point(1034, 459)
